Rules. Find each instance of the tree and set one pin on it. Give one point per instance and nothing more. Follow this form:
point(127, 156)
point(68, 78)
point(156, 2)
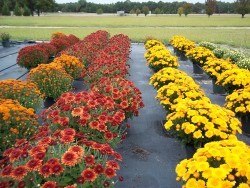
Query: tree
point(5, 10)
point(26, 11)
point(99, 11)
point(210, 7)
point(180, 11)
point(242, 7)
point(138, 11)
point(157, 11)
point(187, 8)
point(81, 4)
point(145, 10)
point(132, 11)
point(17, 10)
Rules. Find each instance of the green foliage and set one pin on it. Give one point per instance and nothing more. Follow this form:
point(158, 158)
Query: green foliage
point(180, 11)
point(187, 8)
point(5, 10)
point(157, 11)
point(208, 45)
point(132, 11)
point(138, 11)
point(244, 63)
point(210, 7)
point(219, 52)
point(17, 10)
point(5, 36)
point(99, 11)
point(26, 11)
point(242, 7)
point(145, 10)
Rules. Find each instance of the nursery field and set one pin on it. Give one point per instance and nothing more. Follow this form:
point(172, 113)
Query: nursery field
point(223, 29)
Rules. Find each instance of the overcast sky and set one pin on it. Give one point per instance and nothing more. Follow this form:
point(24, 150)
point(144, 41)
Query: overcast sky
point(114, 1)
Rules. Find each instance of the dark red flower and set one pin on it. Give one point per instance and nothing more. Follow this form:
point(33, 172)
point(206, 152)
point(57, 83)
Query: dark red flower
point(70, 158)
point(108, 135)
point(6, 172)
point(80, 180)
point(21, 184)
point(99, 169)
point(57, 169)
point(106, 184)
point(90, 159)
point(110, 172)
point(45, 171)
point(49, 184)
point(19, 173)
point(33, 164)
point(40, 155)
point(121, 178)
point(89, 174)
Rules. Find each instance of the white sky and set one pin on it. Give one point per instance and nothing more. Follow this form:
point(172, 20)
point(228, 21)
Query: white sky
point(114, 1)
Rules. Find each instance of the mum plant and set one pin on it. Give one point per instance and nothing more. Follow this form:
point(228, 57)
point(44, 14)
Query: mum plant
point(215, 67)
point(51, 79)
point(170, 94)
point(16, 122)
point(208, 45)
point(26, 93)
point(31, 56)
point(57, 35)
point(244, 63)
point(199, 55)
point(50, 49)
point(92, 114)
point(219, 164)
point(60, 44)
point(199, 122)
point(234, 79)
point(151, 43)
point(239, 102)
point(58, 160)
point(124, 93)
point(181, 43)
point(72, 65)
point(168, 75)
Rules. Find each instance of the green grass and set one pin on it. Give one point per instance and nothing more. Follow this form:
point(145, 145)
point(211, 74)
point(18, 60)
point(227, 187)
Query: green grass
point(127, 21)
point(233, 37)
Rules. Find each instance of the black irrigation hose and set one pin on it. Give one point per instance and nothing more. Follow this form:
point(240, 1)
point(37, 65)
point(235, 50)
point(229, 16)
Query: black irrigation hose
point(7, 67)
point(22, 75)
point(8, 55)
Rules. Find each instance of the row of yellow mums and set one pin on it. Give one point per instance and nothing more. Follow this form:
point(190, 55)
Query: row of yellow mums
point(20, 99)
point(195, 120)
point(235, 80)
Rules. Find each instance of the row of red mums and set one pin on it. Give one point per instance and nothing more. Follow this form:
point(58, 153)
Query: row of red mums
point(75, 145)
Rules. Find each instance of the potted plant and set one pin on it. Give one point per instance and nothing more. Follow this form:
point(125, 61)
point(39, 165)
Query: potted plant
point(5, 37)
point(199, 122)
point(219, 164)
point(56, 159)
point(16, 122)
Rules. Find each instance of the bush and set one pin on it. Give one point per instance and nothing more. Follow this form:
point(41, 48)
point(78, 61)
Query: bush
point(99, 11)
point(219, 52)
point(16, 122)
point(31, 56)
point(51, 79)
point(60, 44)
point(26, 93)
point(49, 48)
point(17, 10)
point(26, 11)
point(5, 10)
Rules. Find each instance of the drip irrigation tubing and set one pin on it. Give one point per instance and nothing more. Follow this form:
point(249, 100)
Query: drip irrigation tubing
point(22, 75)
point(7, 67)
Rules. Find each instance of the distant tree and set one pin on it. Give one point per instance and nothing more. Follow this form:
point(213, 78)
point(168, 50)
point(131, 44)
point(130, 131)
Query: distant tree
point(157, 11)
point(81, 4)
point(210, 7)
point(132, 11)
point(99, 11)
point(44, 5)
point(138, 11)
point(145, 10)
point(180, 11)
point(5, 10)
point(17, 10)
point(242, 7)
point(187, 8)
point(26, 11)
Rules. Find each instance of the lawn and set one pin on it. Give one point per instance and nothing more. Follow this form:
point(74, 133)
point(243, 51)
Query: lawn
point(194, 27)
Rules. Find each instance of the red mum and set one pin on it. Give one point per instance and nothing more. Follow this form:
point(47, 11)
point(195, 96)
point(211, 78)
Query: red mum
point(45, 141)
point(6, 172)
point(70, 158)
point(77, 149)
point(19, 173)
point(77, 112)
point(99, 169)
point(37, 149)
point(65, 139)
point(68, 131)
point(89, 174)
point(108, 135)
point(45, 171)
point(52, 161)
point(113, 164)
point(102, 128)
point(90, 159)
point(57, 169)
point(49, 184)
point(94, 124)
point(110, 172)
point(33, 164)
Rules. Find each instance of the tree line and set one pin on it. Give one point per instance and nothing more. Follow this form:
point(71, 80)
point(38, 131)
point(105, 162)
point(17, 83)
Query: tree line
point(28, 7)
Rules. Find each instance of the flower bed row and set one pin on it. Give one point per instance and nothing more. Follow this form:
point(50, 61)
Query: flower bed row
point(74, 147)
point(193, 119)
point(225, 73)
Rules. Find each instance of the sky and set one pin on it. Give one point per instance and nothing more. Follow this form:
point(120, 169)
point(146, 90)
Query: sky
point(114, 1)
